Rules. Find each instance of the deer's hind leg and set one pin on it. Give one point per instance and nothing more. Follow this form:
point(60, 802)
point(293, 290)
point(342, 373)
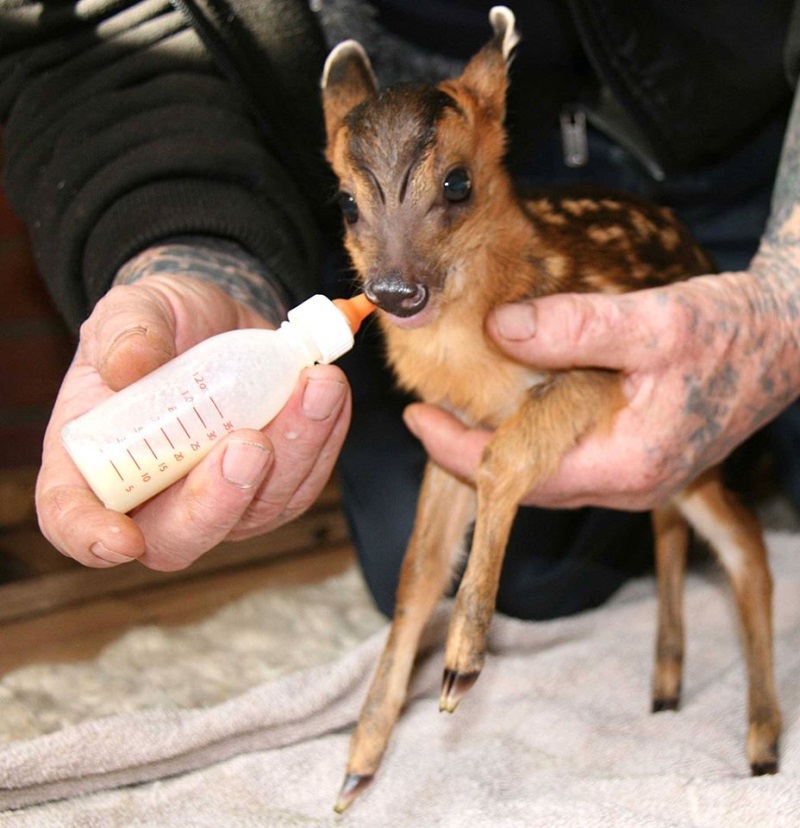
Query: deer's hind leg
point(735, 535)
point(525, 450)
point(445, 509)
point(671, 533)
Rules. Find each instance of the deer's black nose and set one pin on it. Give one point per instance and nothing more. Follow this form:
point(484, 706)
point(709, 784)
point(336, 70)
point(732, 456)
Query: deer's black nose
point(396, 296)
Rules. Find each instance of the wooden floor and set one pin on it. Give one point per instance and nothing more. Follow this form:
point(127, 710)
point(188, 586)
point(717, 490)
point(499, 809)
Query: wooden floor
point(52, 609)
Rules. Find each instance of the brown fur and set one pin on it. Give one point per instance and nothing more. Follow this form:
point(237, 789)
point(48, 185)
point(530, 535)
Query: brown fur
point(446, 265)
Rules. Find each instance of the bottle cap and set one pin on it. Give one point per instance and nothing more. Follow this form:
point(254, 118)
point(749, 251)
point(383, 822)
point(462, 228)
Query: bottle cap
point(329, 327)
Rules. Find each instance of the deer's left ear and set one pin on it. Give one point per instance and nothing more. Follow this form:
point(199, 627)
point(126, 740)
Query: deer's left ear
point(347, 80)
point(486, 75)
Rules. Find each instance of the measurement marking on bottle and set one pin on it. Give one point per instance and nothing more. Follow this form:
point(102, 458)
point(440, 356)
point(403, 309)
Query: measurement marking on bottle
point(183, 427)
point(202, 421)
point(217, 407)
point(134, 460)
point(151, 449)
point(166, 437)
point(113, 466)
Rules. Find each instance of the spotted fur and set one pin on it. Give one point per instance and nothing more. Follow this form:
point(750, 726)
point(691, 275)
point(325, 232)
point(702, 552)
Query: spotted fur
point(437, 261)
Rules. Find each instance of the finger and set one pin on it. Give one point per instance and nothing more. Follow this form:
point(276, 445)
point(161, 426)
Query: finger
point(73, 519)
point(70, 515)
point(448, 442)
point(573, 330)
point(307, 437)
point(591, 474)
point(458, 449)
point(586, 478)
point(80, 527)
point(130, 333)
point(198, 512)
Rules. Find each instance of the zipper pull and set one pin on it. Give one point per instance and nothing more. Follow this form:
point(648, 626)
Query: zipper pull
point(574, 142)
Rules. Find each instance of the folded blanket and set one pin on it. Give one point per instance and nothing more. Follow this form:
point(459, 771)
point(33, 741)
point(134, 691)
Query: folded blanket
point(555, 733)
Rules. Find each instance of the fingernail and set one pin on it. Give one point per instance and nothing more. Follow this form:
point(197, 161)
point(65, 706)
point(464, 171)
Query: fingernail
point(322, 398)
point(244, 463)
point(515, 322)
point(100, 550)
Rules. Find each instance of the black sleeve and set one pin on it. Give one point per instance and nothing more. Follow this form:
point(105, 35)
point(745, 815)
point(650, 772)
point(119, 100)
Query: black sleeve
point(119, 131)
point(791, 54)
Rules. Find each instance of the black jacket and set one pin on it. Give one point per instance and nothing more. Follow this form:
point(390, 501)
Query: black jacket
point(126, 123)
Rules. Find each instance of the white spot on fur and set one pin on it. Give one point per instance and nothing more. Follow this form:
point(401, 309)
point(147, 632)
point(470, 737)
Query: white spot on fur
point(535, 379)
point(503, 23)
point(340, 51)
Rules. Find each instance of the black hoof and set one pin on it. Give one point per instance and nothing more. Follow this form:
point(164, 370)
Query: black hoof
point(665, 704)
point(454, 687)
point(764, 768)
point(353, 785)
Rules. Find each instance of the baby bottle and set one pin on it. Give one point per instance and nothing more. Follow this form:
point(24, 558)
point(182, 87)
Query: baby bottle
point(152, 433)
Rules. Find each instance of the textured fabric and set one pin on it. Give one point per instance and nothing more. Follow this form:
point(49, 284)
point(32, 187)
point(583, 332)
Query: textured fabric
point(121, 131)
point(556, 732)
point(676, 69)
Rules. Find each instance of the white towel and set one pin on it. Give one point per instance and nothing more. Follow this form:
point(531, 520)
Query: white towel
point(557, 732)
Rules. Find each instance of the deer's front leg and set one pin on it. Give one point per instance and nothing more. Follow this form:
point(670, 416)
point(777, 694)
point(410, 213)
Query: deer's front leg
point(526, 449)
point(446, 507)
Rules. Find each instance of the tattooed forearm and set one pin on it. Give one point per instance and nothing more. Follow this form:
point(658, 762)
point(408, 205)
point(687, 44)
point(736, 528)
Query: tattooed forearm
point(773, 302)
point(777, 264)
point(742, 365)
point(222, 263)
point(786, 195)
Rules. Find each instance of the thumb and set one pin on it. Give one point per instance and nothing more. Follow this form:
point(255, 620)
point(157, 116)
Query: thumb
point(566, 330)
point(129, 334)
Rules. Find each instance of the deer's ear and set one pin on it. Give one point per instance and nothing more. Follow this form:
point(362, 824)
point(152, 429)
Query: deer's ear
point(486, 75)
point(347, 80)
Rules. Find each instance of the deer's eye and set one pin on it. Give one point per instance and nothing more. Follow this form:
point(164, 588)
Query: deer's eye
point(457, 185)
point(348, 206)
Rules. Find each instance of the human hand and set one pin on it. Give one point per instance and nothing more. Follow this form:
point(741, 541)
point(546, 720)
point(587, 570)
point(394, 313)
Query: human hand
point(704, 363)
point(250, 483)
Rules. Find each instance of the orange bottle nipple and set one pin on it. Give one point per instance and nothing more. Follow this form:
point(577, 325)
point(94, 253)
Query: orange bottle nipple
point(355, 310)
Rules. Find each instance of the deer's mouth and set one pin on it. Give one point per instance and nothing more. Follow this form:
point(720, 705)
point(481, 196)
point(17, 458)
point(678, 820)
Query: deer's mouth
point(416, 320)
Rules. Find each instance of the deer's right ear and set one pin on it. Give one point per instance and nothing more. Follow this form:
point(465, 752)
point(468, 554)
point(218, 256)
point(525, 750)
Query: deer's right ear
point(346, 81)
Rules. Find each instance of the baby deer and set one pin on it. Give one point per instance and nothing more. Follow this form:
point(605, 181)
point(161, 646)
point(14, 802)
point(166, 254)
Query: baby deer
point(439, 237)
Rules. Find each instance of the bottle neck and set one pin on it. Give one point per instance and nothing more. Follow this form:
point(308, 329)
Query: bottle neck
point(325, 325)
point(302, 340)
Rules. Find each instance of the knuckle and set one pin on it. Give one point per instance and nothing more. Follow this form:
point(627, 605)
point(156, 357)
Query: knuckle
point(582, 319)
point(676, 326)
point(596, 319)
point(57, 508)
point(298, 505)
point(206, 512)
point(591, 321)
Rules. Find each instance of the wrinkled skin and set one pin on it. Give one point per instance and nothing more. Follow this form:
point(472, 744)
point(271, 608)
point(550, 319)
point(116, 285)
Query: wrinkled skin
point(252, 482)
point(705, 362)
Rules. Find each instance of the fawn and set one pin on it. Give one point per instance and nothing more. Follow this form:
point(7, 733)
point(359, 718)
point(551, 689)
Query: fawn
point(439, 237)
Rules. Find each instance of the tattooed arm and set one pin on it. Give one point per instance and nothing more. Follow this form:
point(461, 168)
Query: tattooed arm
point(164, 301)
point(225, 264)
point(705, 362)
